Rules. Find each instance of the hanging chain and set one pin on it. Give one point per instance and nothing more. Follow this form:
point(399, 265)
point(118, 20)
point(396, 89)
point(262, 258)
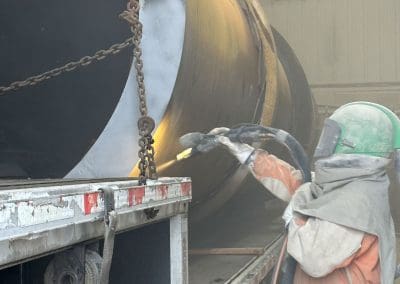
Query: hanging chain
point(84, 61)
point(147, 166)
point(146, 124)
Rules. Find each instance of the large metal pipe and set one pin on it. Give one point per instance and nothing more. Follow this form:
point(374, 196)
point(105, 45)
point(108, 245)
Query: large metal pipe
point(207, 63)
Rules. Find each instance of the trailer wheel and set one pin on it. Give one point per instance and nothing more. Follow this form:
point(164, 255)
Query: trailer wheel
point(92, 267)
point(65, 268)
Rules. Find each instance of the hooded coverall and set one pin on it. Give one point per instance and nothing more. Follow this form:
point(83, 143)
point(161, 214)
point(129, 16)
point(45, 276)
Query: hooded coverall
point(311, 240)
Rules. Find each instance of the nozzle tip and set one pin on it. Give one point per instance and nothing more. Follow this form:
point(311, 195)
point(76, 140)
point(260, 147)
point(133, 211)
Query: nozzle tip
point(187, 153)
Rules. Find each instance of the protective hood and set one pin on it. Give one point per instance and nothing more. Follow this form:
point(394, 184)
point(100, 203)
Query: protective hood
point(397, 165)
point(352, 191)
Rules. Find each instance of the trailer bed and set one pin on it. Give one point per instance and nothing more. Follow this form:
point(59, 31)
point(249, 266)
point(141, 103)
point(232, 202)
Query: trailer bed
point(39, 217)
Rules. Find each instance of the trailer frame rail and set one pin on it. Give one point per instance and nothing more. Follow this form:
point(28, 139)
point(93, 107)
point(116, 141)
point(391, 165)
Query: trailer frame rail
point(39, 218)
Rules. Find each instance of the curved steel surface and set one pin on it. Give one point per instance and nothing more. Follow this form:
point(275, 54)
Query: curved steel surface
point(301, 108)
point(220, 82)
point(229, 74)
point(228, 67)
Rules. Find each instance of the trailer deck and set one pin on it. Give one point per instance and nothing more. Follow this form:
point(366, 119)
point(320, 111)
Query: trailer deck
point(39, 217)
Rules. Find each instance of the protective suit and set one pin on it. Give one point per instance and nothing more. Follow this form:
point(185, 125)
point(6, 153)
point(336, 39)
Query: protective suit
point(340, 229)
point(327, 248)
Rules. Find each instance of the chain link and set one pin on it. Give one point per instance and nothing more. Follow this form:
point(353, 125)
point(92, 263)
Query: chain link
point(146, 124)
point(147, 166)
point(84, 61)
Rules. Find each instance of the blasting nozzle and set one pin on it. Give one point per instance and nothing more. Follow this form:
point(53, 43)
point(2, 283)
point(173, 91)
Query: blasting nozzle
point(185, 154)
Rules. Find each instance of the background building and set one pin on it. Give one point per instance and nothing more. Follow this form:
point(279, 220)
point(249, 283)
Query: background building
point(350, 49)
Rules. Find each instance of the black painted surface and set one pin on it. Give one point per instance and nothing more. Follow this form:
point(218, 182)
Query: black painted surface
point(302, 110)
point(142, 256)
point(30, 272)
point(46, 129)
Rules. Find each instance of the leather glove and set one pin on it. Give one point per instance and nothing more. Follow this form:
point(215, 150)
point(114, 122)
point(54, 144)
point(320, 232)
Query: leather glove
point(242, 152)
point(202, 142)
point(219, 131)
point(205, 142)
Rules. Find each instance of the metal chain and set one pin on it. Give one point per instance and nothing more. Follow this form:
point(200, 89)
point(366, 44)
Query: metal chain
point(84, 61)
point(146, 125)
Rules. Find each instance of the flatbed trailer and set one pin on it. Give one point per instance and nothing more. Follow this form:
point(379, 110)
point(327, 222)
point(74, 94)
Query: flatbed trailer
point(44, 217)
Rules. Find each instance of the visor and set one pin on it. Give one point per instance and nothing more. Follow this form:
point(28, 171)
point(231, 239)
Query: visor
point(328, 140)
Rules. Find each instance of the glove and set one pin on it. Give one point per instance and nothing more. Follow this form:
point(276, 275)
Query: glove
point(242, 152)
point(205, 142)
point(219, 131)
point(200, 142)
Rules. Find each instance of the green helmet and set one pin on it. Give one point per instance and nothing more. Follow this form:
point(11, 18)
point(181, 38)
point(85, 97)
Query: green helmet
point(360, 128)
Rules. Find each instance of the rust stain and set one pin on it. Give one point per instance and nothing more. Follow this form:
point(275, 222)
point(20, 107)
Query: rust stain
point(163, 191)
point(135, 195)
point(186, 188)
point(90, 202)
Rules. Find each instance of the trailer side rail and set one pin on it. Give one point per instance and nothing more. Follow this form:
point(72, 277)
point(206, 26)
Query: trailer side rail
point(38, 220)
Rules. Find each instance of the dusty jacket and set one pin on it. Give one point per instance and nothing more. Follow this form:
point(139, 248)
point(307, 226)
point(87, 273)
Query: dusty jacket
point(348, 199)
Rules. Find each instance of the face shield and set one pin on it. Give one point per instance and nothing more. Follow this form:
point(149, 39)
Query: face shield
point(328, 140)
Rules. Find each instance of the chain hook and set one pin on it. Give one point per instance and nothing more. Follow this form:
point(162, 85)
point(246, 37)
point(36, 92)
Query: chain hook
point(146, 124)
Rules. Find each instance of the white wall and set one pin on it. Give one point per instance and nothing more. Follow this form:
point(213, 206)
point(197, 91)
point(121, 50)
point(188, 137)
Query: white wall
point(342, 41)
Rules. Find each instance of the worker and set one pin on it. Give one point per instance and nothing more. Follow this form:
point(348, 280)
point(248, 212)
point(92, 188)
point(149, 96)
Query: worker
point(340, 229)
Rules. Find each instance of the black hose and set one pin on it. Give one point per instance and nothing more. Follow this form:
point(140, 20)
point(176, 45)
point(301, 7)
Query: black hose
point(250, 133)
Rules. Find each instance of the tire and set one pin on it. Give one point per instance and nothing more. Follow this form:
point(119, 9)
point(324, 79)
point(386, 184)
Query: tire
point(65, 268)
point(92, 267)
